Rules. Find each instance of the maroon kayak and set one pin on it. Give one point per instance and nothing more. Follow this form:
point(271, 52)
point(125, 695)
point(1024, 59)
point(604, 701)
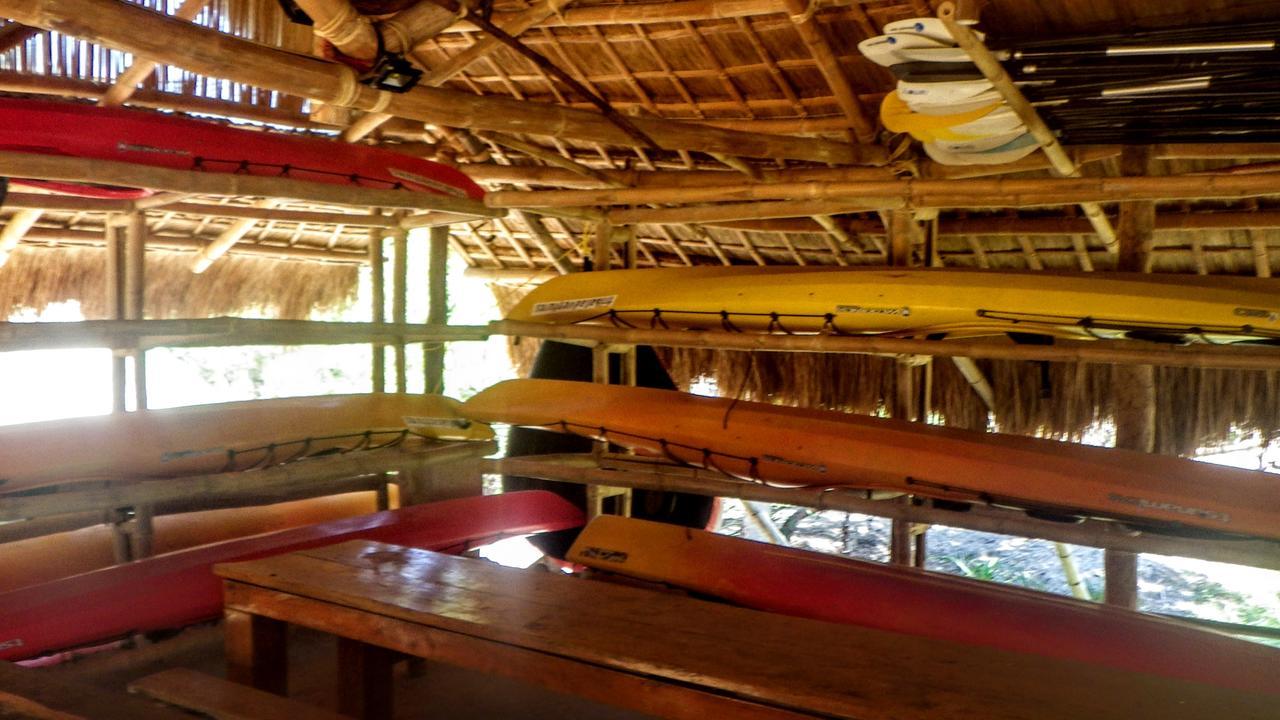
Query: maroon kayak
point(178, 143)
point(179, 588)
point(916, 602)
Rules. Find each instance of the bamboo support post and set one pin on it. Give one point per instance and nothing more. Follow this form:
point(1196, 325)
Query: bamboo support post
point(115, 311)
point(378, 312)
point(135, 287)
point(399, 302)
point(438, 307)
point(995, 73)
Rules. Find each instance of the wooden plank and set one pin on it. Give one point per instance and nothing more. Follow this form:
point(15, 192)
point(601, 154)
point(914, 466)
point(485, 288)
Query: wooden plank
point(224, 700)
point(561, 674)
point(794, 663)
point(29, 690)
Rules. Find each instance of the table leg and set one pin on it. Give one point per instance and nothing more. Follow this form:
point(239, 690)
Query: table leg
point(364, 685)
point(257, 651)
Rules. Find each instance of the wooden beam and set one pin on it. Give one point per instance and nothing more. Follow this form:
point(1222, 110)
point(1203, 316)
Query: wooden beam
point(1137, 219)
point(729, 212)
point(378, 311)
point(229, 237)
point(1098, 351)
point(623, 472)
point(918, 194)
point(73, 204)
point(135, 292)
point(128, 80)
point(19, 224)
point(220, 332)
point(85, 170)
point(995, 73)
point(15, 34)
point(52, 236)
point(813, 36)
point(162, 39)
point(400, 303)
point(666, 12)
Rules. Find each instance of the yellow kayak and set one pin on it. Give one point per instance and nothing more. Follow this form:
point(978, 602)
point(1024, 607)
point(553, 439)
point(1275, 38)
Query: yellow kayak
point(820, 448)
point(915, 302)
point(217, 438)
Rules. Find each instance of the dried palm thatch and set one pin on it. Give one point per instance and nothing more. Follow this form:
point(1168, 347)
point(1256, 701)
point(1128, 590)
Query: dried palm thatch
point(36, 277)
point(521, 350)
point(1195, 408)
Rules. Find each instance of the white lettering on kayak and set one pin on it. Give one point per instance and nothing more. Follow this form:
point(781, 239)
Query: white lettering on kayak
point(795, 463)
point(872, 310)
point(577, 305)
point(1169, 507)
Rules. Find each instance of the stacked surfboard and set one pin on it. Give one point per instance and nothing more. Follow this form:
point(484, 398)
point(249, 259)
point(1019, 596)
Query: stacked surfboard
point(1197, 84)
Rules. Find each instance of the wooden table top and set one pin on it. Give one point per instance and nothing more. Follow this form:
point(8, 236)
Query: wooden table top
point(822, 668)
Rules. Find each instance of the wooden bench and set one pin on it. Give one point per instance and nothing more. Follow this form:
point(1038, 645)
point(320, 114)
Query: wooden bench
point(224, 700)
point(658, 653)
point(40, 695)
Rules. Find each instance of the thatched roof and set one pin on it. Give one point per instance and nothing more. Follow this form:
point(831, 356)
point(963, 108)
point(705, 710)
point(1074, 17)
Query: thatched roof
point(778, 69)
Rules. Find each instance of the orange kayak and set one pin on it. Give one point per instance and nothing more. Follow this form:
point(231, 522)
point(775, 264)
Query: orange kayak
point(917, 602)
point(820, 448)
point(215, 438)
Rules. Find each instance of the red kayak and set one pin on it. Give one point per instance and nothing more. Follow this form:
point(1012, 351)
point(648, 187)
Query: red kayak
point(178, 143)
point(179, 588)
point(916, 602)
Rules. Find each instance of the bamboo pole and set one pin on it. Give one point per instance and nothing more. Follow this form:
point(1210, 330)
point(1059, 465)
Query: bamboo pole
point(1096, 351)
point(220, 332)
point(585, 177)
point(514, 25)
point(995, 73)
point(80, 205)
point(115, 311)
point(918, 194)
point(135, 288)
point(160, 38)
point(231, 485)
point(105, 172)
point(812, 35)
point(90, 238)
point(545, 242)
point(127, 81)
point(229, 237)
point(400, 302)
point(378, 312)
point(437, 307)
point(729, 212)
point(19, 224)
point(623, 472)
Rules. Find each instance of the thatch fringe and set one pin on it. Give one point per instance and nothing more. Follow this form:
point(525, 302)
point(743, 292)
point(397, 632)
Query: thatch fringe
point(521, 350)
point(1195, 409)
point(36, 277)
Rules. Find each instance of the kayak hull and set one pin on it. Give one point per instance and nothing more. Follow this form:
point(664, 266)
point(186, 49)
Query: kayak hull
point(819, 448)
point(212, 438)
point(178, 143)
point(928, 301)
point(177, 589)
point(921, 603)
